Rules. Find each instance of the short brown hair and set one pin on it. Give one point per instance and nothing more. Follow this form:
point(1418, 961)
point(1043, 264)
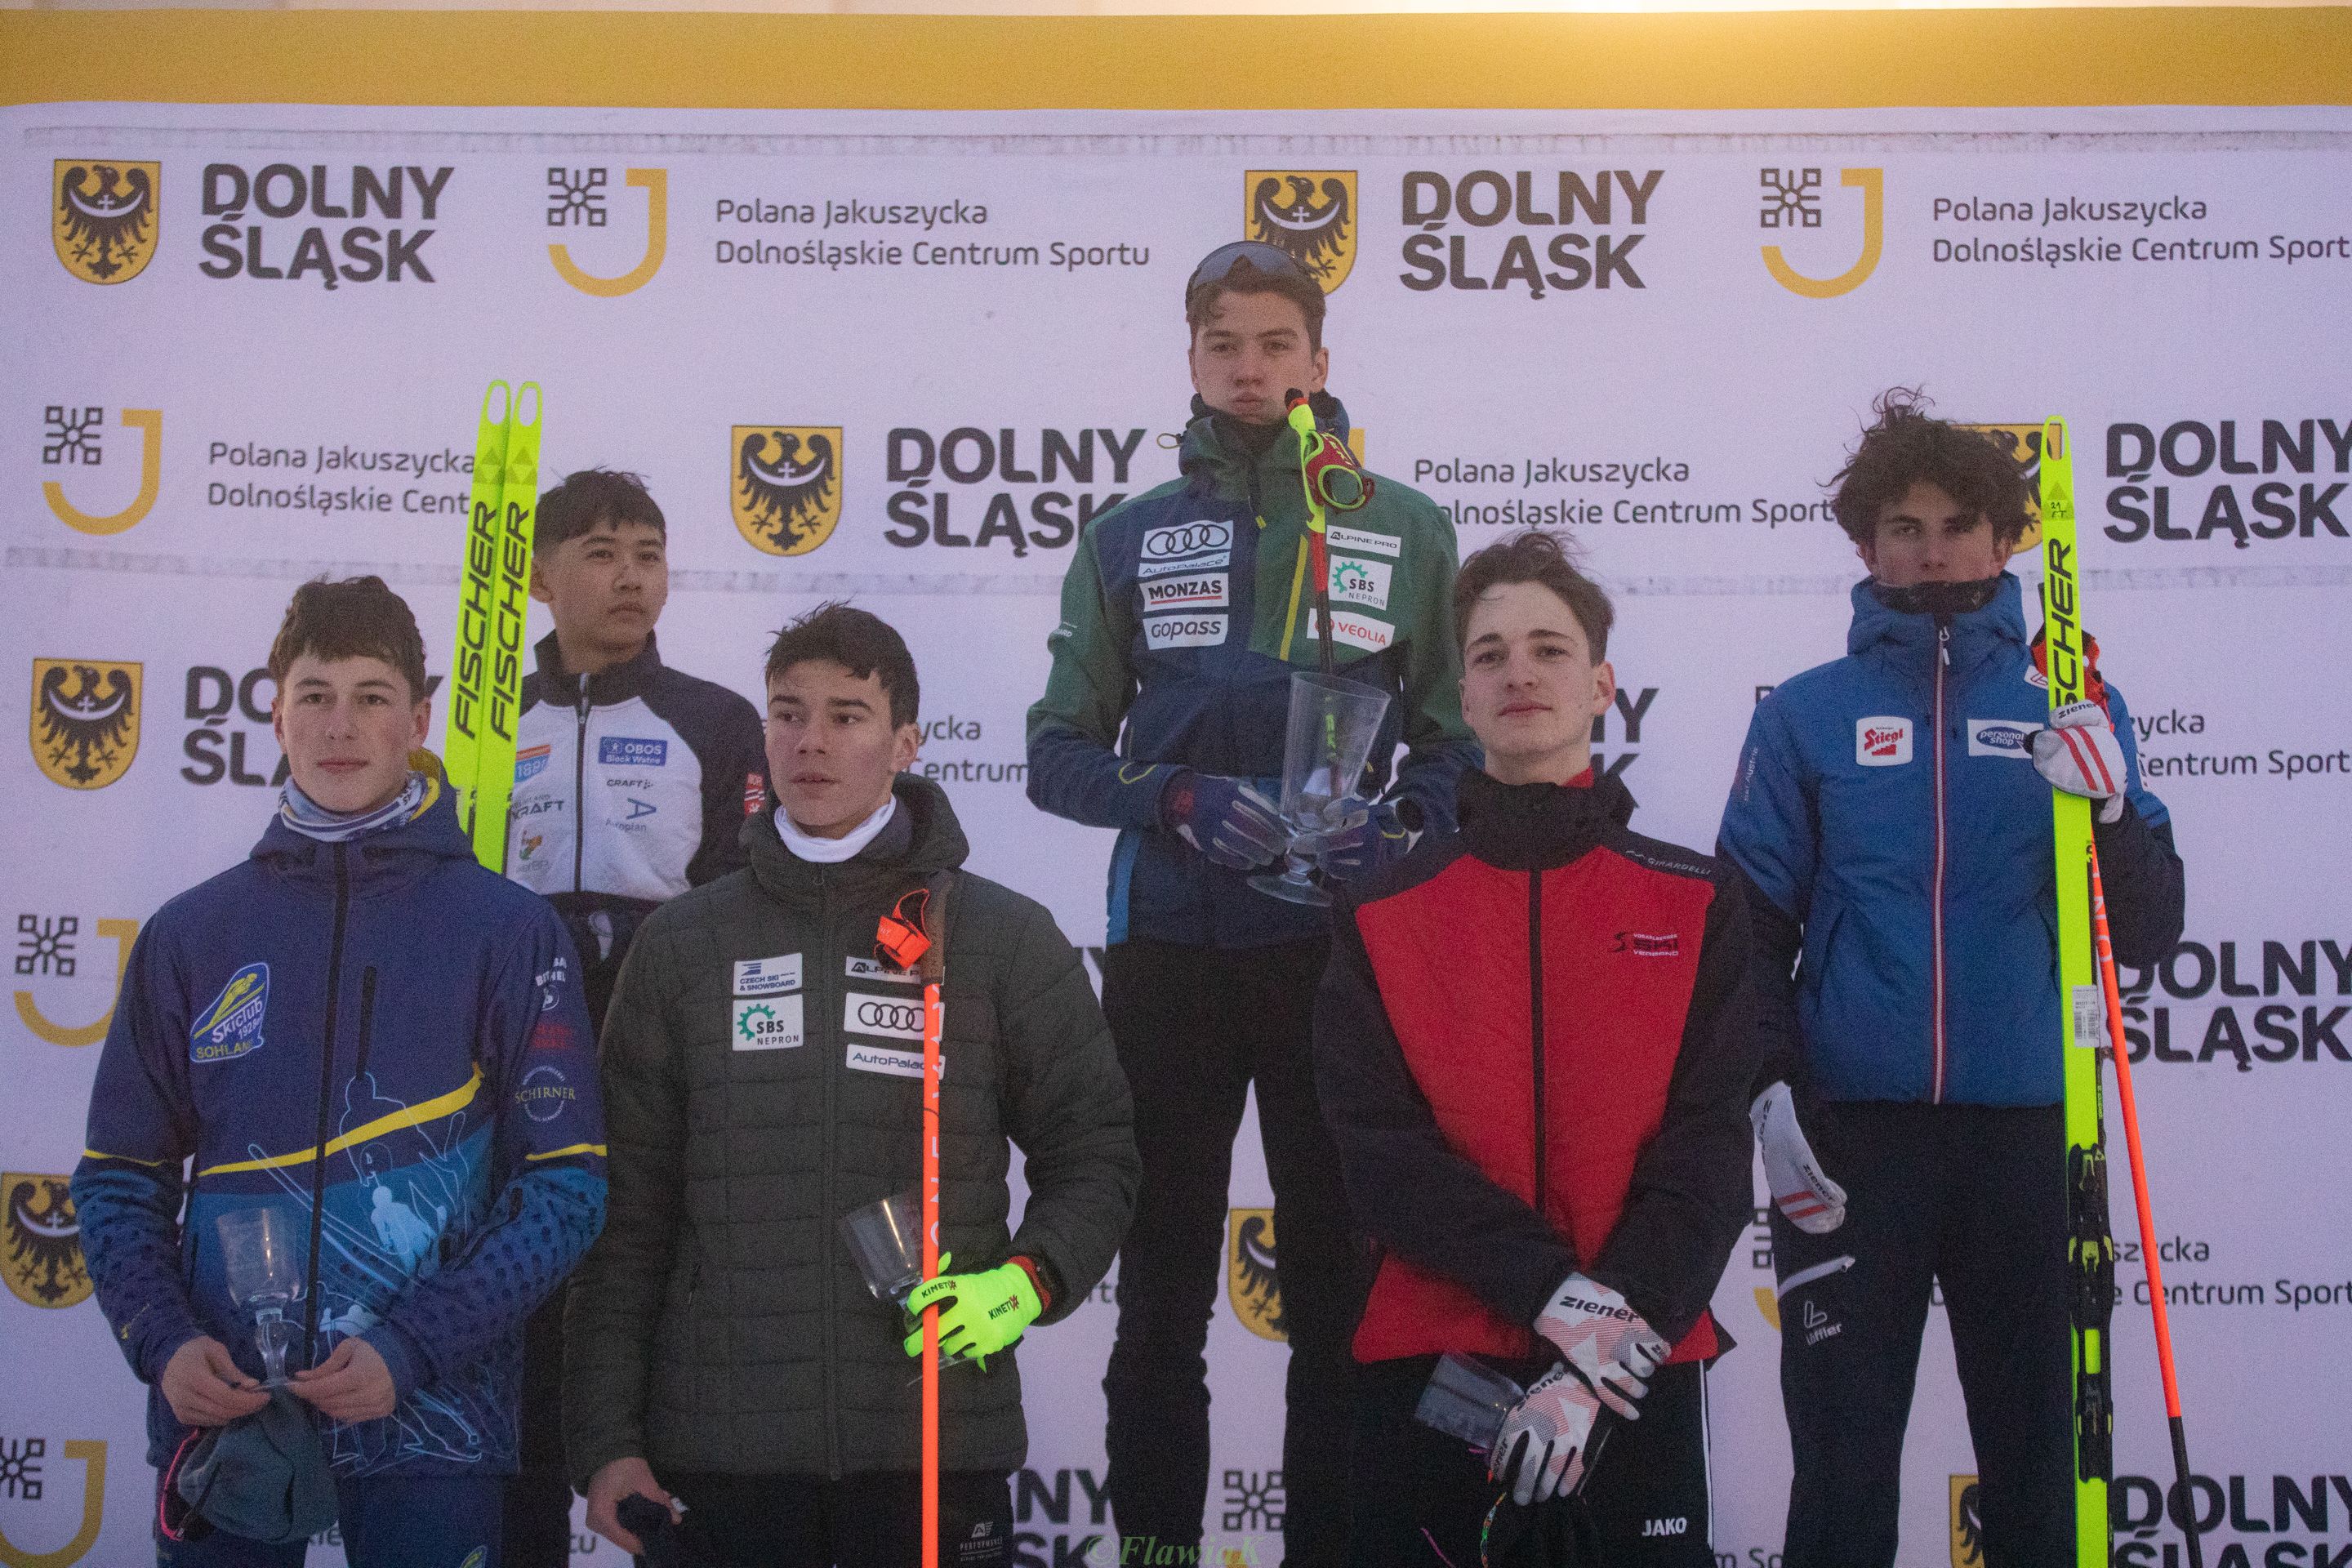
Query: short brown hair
point(1242, 277)
point(359, 617)
point(862, 643)
point(1535, 556)
point(1905, 446)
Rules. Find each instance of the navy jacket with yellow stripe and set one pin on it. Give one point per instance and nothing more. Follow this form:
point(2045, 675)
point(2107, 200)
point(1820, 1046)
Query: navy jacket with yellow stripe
point(417, 1018)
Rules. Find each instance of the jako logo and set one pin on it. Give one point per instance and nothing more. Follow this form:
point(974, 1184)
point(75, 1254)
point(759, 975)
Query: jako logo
point(1883, 740)
point(1309, 214)
point(787, 495)
point(104, 220)
point(72, 435)
point(577, 197)
point(1791, 198)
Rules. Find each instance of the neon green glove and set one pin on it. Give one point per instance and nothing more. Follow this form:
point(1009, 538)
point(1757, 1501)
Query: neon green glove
point(979, 1314)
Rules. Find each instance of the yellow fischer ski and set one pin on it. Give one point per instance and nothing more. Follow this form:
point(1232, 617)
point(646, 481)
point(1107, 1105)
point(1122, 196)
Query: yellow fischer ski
point(493, 597)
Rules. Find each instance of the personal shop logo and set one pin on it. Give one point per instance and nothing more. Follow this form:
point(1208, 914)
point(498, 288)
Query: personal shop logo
point(104, 220)
point(1309, 214)
point(786, 498)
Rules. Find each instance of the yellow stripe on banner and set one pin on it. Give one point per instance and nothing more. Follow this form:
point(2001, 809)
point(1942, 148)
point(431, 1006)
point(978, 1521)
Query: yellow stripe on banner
point(595, 1149)
point(433, 1110)
point(126, 1159)
point(1998, 57)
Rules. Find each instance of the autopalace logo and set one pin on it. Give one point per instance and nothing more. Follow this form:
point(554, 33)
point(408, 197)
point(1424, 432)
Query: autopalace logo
point(2269, 1002)
point(338, 201)
point(2235, 491)
point(1525, 229)
point(941, 482)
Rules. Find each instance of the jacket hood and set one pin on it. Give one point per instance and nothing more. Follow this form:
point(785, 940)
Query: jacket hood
point(430, 834)
point(1907, 637)
point(629, 678)
point(1536, 827)
point(934, 843)
point(1215, 452)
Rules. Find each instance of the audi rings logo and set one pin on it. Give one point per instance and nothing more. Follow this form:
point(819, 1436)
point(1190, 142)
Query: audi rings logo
point(893, 1017)
point(1186, 539)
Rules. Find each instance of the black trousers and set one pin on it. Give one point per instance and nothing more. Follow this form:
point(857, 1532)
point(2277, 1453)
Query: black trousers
point(538, 1510)
point(1972, 1197)
point(857, 1522)
point(1423, 1498)
point(1195, 1027)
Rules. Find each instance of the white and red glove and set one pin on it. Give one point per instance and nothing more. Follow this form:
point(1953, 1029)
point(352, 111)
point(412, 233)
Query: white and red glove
point(1549, 1434)
point(2079, 754)
point(1813, 1204)
point(1603, 1341)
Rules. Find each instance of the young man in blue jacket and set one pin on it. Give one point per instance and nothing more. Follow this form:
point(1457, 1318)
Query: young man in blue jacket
point(1183, 614)
point(362, 1031)
point(1891, 809)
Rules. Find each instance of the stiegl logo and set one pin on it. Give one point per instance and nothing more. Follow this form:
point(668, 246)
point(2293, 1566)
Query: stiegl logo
point(787, 493)
point(1882, 741)
point(103, 217)
point(1307, 214)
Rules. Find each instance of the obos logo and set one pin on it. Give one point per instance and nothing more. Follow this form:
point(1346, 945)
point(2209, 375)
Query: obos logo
point(27, 1459)
point(2023, 445)
point(1968, 1524)
point(103, 218)
point(787, 494)
point(1793, 199)
point(1252, 1277)
point(575, 197)
point(43, 1262)
point(1308, 215)
point(73, 436)
point(85, 719)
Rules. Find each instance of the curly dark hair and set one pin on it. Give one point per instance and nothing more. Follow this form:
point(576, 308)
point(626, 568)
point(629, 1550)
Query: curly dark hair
point(358, 617)
point(1905, 446)
point(1535, 556)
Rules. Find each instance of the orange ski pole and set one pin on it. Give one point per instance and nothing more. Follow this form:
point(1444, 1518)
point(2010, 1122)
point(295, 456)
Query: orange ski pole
point(2148, 1240)
point(933, 1019)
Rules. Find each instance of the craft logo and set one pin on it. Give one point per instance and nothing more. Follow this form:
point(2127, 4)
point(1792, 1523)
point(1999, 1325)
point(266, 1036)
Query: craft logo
point(103, 217)
point(576, 198)
point(1882, 741)
point(1308, 215)
point(2242, 498)
point(1793, 199)
point(42, 1263)
point(787, 494)
point(1252, 1277)
point(72, 436)
point(1547, 212)
point(2023, 445)
point(23, 1462)
point(939, 481)
point(85, 719)
point(231, 1028)
point(1968, 1524)
point(340, 248)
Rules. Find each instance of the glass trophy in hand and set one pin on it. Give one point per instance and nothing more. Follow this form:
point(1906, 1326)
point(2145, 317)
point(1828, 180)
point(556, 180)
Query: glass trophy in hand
point(885, 1240)
point(259, 1252)
point(1325, 745)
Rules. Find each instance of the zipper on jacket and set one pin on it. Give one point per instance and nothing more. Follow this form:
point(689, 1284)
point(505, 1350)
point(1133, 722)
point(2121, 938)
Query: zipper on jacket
point(1536, 1018)
point(326, 1105)
point(821, 945)
point(367, 1019)
point(1935, 893)
point(580, 790)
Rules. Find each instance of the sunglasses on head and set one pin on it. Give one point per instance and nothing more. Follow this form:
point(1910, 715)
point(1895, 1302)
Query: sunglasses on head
point(1262, 256)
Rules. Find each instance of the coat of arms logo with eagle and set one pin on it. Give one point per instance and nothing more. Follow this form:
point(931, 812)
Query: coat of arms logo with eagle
point(787, 491)
point(85, 719)
point(102, 217)
point(1308, 213)
point(40, 1242)
point(1253, 1279)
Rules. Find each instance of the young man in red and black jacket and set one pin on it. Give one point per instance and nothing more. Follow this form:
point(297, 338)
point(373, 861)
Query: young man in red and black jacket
point(1540, 1001)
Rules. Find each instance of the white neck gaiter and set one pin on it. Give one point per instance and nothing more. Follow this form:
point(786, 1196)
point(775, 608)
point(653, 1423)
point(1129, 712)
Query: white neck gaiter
point(833, 851)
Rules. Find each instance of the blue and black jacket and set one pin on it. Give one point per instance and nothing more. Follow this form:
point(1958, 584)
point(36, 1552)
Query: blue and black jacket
point(1888, 812)
point(1183, 614)
point(385, 1044)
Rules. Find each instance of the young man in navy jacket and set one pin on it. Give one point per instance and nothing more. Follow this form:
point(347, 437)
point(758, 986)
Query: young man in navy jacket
point(364, 1031)
point(1534, 1050)
point(1892, 811)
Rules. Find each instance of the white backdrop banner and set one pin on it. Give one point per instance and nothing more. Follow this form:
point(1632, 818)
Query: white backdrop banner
point(904, 359)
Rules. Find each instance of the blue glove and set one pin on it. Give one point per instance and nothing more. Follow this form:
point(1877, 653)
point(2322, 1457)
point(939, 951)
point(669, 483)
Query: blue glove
point(1359, 851)
point(1223, 818)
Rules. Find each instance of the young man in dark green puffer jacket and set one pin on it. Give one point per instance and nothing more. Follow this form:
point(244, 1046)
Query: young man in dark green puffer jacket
point(765, 1072)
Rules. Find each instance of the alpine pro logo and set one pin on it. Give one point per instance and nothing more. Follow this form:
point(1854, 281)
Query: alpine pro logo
point(85, 719)
point(1194, 590)
point(231, 1026)
point(787, 494)
point(103, 217)
point(893, 1017)
point(2000, 738)
point(1308, 215)
point(1882, 741)
point(1792, 198)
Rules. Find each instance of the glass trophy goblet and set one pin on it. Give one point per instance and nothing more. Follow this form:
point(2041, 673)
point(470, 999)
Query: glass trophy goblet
point(1325, 747)
point(885, 1240)
point(261, 1251)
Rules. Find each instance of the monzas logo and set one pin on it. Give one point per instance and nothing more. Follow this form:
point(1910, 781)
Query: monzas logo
point(1792, 200)
point(787, 493)
point(41, 1259)
point(1525, 228)
point(231, 1026)
point(364, 228)
point(577, 199)
point(1253, 1275)
point(1022, 484)
point(2238, 489)
point(23, 1462)
point(103, 217)
point(85, 719)
point(1309, 214)
point(75, 437)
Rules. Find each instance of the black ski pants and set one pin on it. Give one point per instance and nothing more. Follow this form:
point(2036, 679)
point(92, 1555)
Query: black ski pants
point(858, 1521)
point(1195, 1027)
point(1972, 1197)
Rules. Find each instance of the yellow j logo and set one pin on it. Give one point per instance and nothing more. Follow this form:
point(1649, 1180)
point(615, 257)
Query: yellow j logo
point(29, 1011)
point(92, 1452)
point(149, 423)
point(655, 183)
point(1873, 183)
